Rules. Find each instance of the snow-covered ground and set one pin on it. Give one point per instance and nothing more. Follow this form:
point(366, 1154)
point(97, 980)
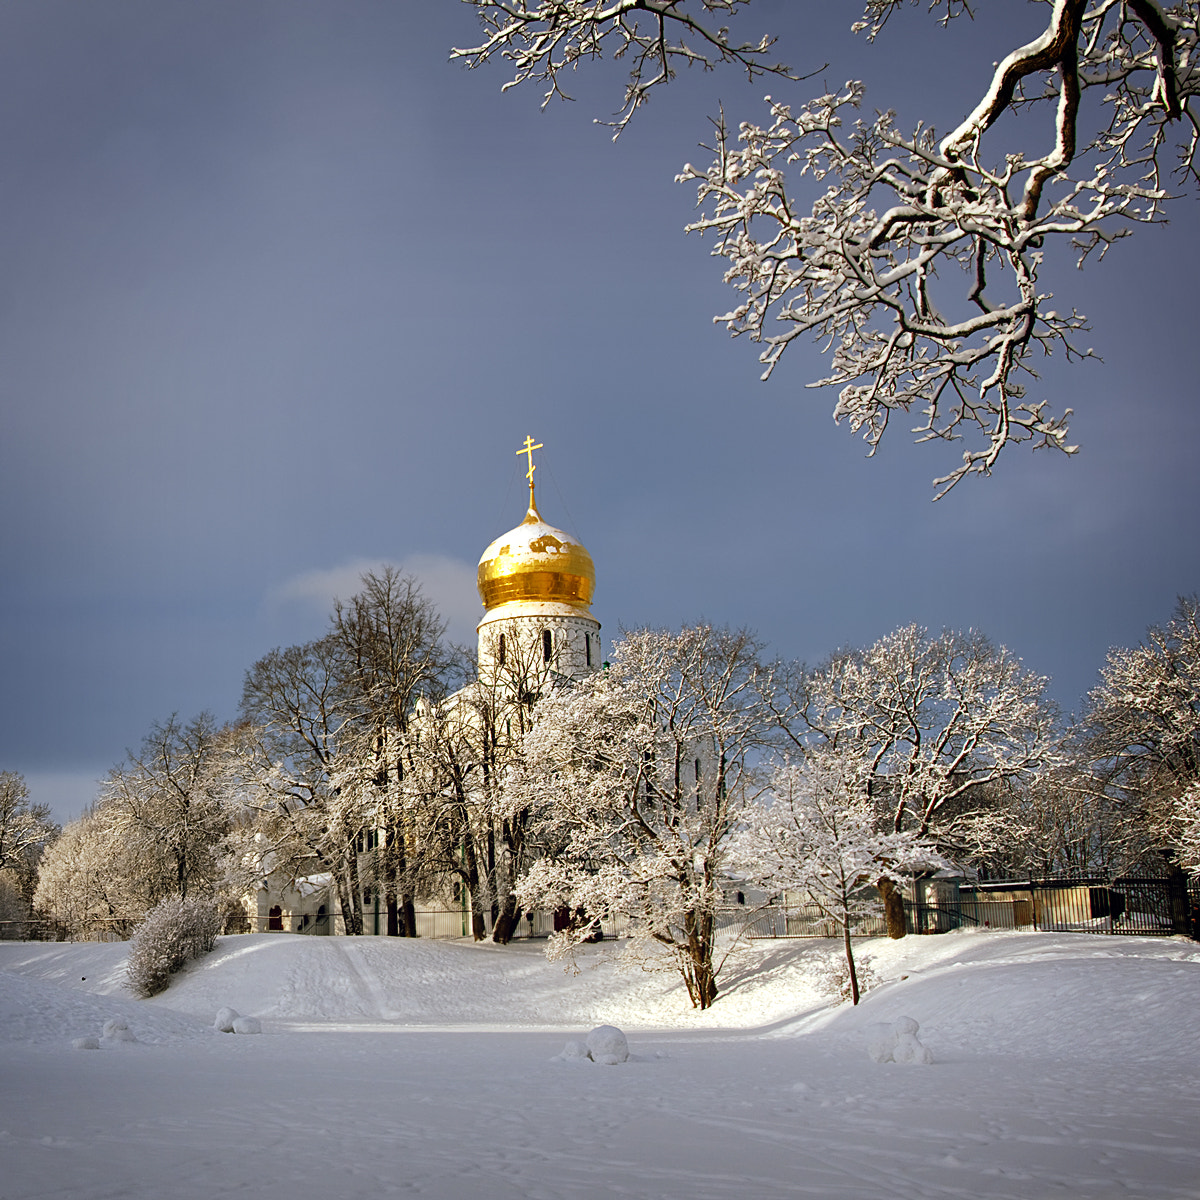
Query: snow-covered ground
point(1064, 1065)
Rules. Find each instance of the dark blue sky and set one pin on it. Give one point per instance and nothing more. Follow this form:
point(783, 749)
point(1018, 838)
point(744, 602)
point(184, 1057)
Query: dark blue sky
point(282, 290)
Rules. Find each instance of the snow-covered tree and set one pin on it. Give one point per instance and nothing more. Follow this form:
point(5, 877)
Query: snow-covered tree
point(88, 883)
point(393, 653)
point(162, 807)
point(635, 779)
point(819, 836)
point(912, 256)
point(154, 832)
point(1184, 816)
point(938, 722)
point(296, 821)
point(1142, 727)
point(24, 827)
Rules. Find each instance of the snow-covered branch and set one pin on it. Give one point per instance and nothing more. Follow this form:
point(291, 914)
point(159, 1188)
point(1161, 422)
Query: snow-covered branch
point(913, 259)
point(545, 39)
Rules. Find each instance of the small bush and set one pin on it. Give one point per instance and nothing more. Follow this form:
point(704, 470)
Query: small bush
point(834, 975)
point(172, 934)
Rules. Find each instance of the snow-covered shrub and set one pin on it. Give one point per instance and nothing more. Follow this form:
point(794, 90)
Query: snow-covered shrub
point(172, 934)
point(607, 1045)
point(833, 975)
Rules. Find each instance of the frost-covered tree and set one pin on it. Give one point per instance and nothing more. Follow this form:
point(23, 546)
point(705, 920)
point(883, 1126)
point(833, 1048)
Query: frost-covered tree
point(295, 821)
point(938, 723)
point(1184, 816)
point(818, 836)
point(1142, 725)
point(162, 805)
point(393, 653)
point(1059, 823)
point(154, 832)
point(326, 759)
point(636, 777)
point(89, 883)
point(912, 256)
point(25, 827)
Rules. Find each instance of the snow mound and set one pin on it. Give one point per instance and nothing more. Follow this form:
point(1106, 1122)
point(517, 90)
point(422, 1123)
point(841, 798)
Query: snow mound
point(116, 1029)
point(86, 1043)
point(897, 1041)
point(225, 1019)
point(575, 1051)
point(247, 1025)
point(606, 1045)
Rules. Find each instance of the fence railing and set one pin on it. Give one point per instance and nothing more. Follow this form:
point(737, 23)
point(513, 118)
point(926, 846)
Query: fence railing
point(1145, 905)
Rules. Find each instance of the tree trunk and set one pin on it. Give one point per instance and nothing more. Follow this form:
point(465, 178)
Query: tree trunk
point(351, 908)
point(393, 915)
point(409, 910)
point(893, 907)
point(699, 974)
point(1177, 891)
point(506, 922)
point(471, 863)
point(850, 962)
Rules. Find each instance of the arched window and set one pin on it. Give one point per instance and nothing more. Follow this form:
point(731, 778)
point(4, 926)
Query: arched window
point(500, 648)
point(587, 648)
point(547, 646)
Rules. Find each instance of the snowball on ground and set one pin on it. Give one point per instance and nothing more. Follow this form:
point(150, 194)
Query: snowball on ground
point(575, 1051)
point(247, 1025)
point(118, 1030)
point(897, 1042)
point(607, 1045)
point(225, 1019)
point(86, 1043)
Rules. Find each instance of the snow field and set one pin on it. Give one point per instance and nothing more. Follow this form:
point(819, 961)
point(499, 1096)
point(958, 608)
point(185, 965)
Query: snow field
point(1063, 1066)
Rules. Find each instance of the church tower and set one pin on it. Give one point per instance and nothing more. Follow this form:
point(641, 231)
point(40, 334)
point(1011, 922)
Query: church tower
point(536, 584)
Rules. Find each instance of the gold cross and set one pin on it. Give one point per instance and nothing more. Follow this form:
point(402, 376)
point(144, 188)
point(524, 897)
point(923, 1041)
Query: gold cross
point(528, 449)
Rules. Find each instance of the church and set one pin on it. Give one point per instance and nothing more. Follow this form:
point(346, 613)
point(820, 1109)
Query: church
point(536, 584)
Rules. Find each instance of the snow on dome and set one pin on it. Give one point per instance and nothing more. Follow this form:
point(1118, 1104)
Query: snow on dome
point(536, 562)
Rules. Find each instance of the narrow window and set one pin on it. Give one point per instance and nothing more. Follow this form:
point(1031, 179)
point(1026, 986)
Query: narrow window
point(587, 648)
point(547, 645)
point(697, 774)
point(501, 655)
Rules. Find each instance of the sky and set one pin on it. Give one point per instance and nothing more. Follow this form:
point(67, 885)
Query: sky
point(283, 289)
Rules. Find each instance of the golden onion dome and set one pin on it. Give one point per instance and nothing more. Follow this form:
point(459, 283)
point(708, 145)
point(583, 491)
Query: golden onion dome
point(536, 562)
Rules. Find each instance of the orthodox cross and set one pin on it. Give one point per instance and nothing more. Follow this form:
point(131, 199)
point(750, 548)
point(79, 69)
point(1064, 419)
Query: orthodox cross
point(528, 449)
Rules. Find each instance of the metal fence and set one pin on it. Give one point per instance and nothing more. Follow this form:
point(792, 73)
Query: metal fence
point(1146, 905)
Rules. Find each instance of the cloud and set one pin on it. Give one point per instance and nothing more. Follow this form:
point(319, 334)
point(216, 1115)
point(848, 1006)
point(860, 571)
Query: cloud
point(448, 582)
